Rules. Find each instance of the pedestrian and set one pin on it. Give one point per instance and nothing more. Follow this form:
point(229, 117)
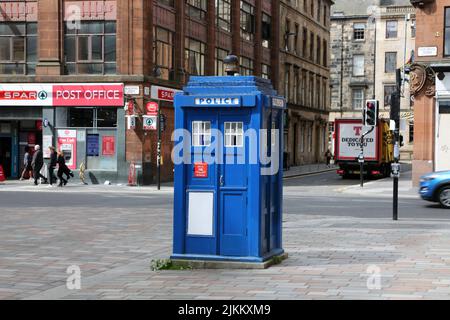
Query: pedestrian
point(37, 163)
point(62, 169)
point(27, 168)
point(52, 165)
point(328, 155)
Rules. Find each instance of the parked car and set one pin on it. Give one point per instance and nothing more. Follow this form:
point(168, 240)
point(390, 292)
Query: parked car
point(435, 187)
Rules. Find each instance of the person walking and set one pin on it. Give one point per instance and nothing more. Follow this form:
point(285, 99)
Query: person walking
point(27, 168)
point(37, 163)
point(62, 169)
point(52, 165)
point(328, 155)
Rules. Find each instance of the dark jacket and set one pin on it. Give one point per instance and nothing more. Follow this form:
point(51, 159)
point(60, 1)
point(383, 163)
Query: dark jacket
point(53, 159)
point(38, 160)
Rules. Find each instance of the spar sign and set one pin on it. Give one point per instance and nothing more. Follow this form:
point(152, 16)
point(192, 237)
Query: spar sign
point(349, 143)
point(62, 95)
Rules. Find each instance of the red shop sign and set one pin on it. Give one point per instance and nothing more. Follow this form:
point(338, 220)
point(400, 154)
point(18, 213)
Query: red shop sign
point(200, 170)
point(88, 95)
point(152, 108)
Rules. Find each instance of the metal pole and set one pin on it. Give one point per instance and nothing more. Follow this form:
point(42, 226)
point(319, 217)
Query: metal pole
point(395, 105)
point(374, 57)
point(158, 152)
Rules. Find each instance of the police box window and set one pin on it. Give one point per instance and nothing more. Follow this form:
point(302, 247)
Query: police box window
point(18, 48)
point(234, 134)
point(82, 117)
point(201, 133)
point(91, 49)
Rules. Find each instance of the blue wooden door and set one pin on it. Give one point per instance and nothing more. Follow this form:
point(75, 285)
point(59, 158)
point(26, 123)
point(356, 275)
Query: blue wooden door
point(233, 183)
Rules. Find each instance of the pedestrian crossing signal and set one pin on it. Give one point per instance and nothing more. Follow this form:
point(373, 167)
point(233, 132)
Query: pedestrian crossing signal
point(370, 115)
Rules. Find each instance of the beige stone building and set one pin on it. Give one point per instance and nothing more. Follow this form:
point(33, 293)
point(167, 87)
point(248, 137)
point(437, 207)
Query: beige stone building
point(304, 78)
point(363, 68)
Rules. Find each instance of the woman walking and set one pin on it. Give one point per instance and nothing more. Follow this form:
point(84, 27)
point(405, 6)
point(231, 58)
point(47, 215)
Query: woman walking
point(62, 168)
point(27, 168)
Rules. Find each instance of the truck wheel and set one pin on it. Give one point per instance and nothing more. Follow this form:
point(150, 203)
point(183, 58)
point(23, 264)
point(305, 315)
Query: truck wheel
point(444, 197)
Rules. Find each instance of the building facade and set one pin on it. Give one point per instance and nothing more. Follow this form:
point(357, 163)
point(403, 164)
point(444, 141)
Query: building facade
point(79, 74)
point(369, 42)
point(304, 78)
point(430, 87)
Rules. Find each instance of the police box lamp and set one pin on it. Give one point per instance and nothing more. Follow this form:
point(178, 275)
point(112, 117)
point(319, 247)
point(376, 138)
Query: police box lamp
point(231, 63)
point(370, 114)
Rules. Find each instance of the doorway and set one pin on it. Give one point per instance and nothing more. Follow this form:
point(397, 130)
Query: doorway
point(6, 155)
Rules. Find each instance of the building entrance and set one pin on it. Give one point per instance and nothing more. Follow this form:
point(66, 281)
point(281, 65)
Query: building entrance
point(5, 155)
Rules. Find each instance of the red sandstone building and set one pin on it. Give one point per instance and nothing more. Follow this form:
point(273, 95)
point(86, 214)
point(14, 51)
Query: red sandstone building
point(430, 87)
point(98, 55)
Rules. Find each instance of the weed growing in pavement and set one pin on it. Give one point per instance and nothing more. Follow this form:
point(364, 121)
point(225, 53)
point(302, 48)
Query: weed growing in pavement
point(166, 264)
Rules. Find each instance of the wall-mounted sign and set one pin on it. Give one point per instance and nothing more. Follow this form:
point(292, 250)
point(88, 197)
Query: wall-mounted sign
point(200, 170)
point(427, 52)
point(131, 122)
point(92, 145)
point(218, 101)
point(47, 141)
point(108, 145)
point(152, 108)
point(278, 102)
point(67, 144)
point(62, 95)
point(163, 93)
point(150, 122)
point(132, 90)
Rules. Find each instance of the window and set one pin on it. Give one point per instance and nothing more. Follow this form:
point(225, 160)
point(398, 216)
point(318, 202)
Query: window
point(201, 133)
point(92, 117)
point(296, 84)
point(305, 42)
point(358, 65)
point(163, 51)
point(325, 15)
point(297, 27)
point(411, 131)
point(319, 7)
point(265, 71)
point(447, 32)
point(196, 9)
point(302, 137)
point(18, 48)
point(325, 53)
point(287, 82)
point(325, 94)
point(390, 62)
point(359, 31)
point(311, 46)
point(391, 29)
point(266, 30)
point(312, 8)
point(388, 90)
point(169, 3)
point(223, 14)
point(286, 35)
point(247, 21)
point(302, 91)
point(220, 56)
point(91, 49)
point(358, 99)
point(234, 134)
point(246, 66)
point(318, 93)
point(413, 28)
point(311, 90)
point(318, 50)
point(310, 138)
point(194, 57)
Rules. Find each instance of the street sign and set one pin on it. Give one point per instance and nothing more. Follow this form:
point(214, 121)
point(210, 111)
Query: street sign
point(395, 169)
point(152, 108)
point(163, 93)
point(150, 123)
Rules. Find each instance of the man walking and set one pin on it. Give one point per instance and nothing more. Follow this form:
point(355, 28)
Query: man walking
point(52, 165)
point(37, 164)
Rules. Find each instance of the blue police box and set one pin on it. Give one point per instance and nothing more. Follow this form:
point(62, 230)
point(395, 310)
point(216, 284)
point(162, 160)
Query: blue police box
point(228, 154)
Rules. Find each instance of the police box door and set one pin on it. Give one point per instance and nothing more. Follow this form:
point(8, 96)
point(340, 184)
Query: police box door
point(217, 179)
point(233, 183)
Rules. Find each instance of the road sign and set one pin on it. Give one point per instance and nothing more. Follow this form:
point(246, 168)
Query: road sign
point(150, 122)
point(152, 108)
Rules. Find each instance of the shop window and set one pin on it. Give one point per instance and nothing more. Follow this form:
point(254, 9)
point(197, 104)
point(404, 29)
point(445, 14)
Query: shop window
point(247, 21)
point(91, 49)
point(92, 117)
point(201, 133)
point(163, 52)
point(18, 48)
point(196, 9)
point(223, 14)
point(220, 56)
point(194, 57)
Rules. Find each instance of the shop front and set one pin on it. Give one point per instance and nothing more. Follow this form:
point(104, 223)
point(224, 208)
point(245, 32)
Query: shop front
point(81, 120)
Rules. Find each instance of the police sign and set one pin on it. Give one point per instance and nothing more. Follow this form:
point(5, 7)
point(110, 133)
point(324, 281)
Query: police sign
point(219, 101)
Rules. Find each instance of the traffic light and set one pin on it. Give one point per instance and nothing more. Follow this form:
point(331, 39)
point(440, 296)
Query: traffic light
point(370, 115)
